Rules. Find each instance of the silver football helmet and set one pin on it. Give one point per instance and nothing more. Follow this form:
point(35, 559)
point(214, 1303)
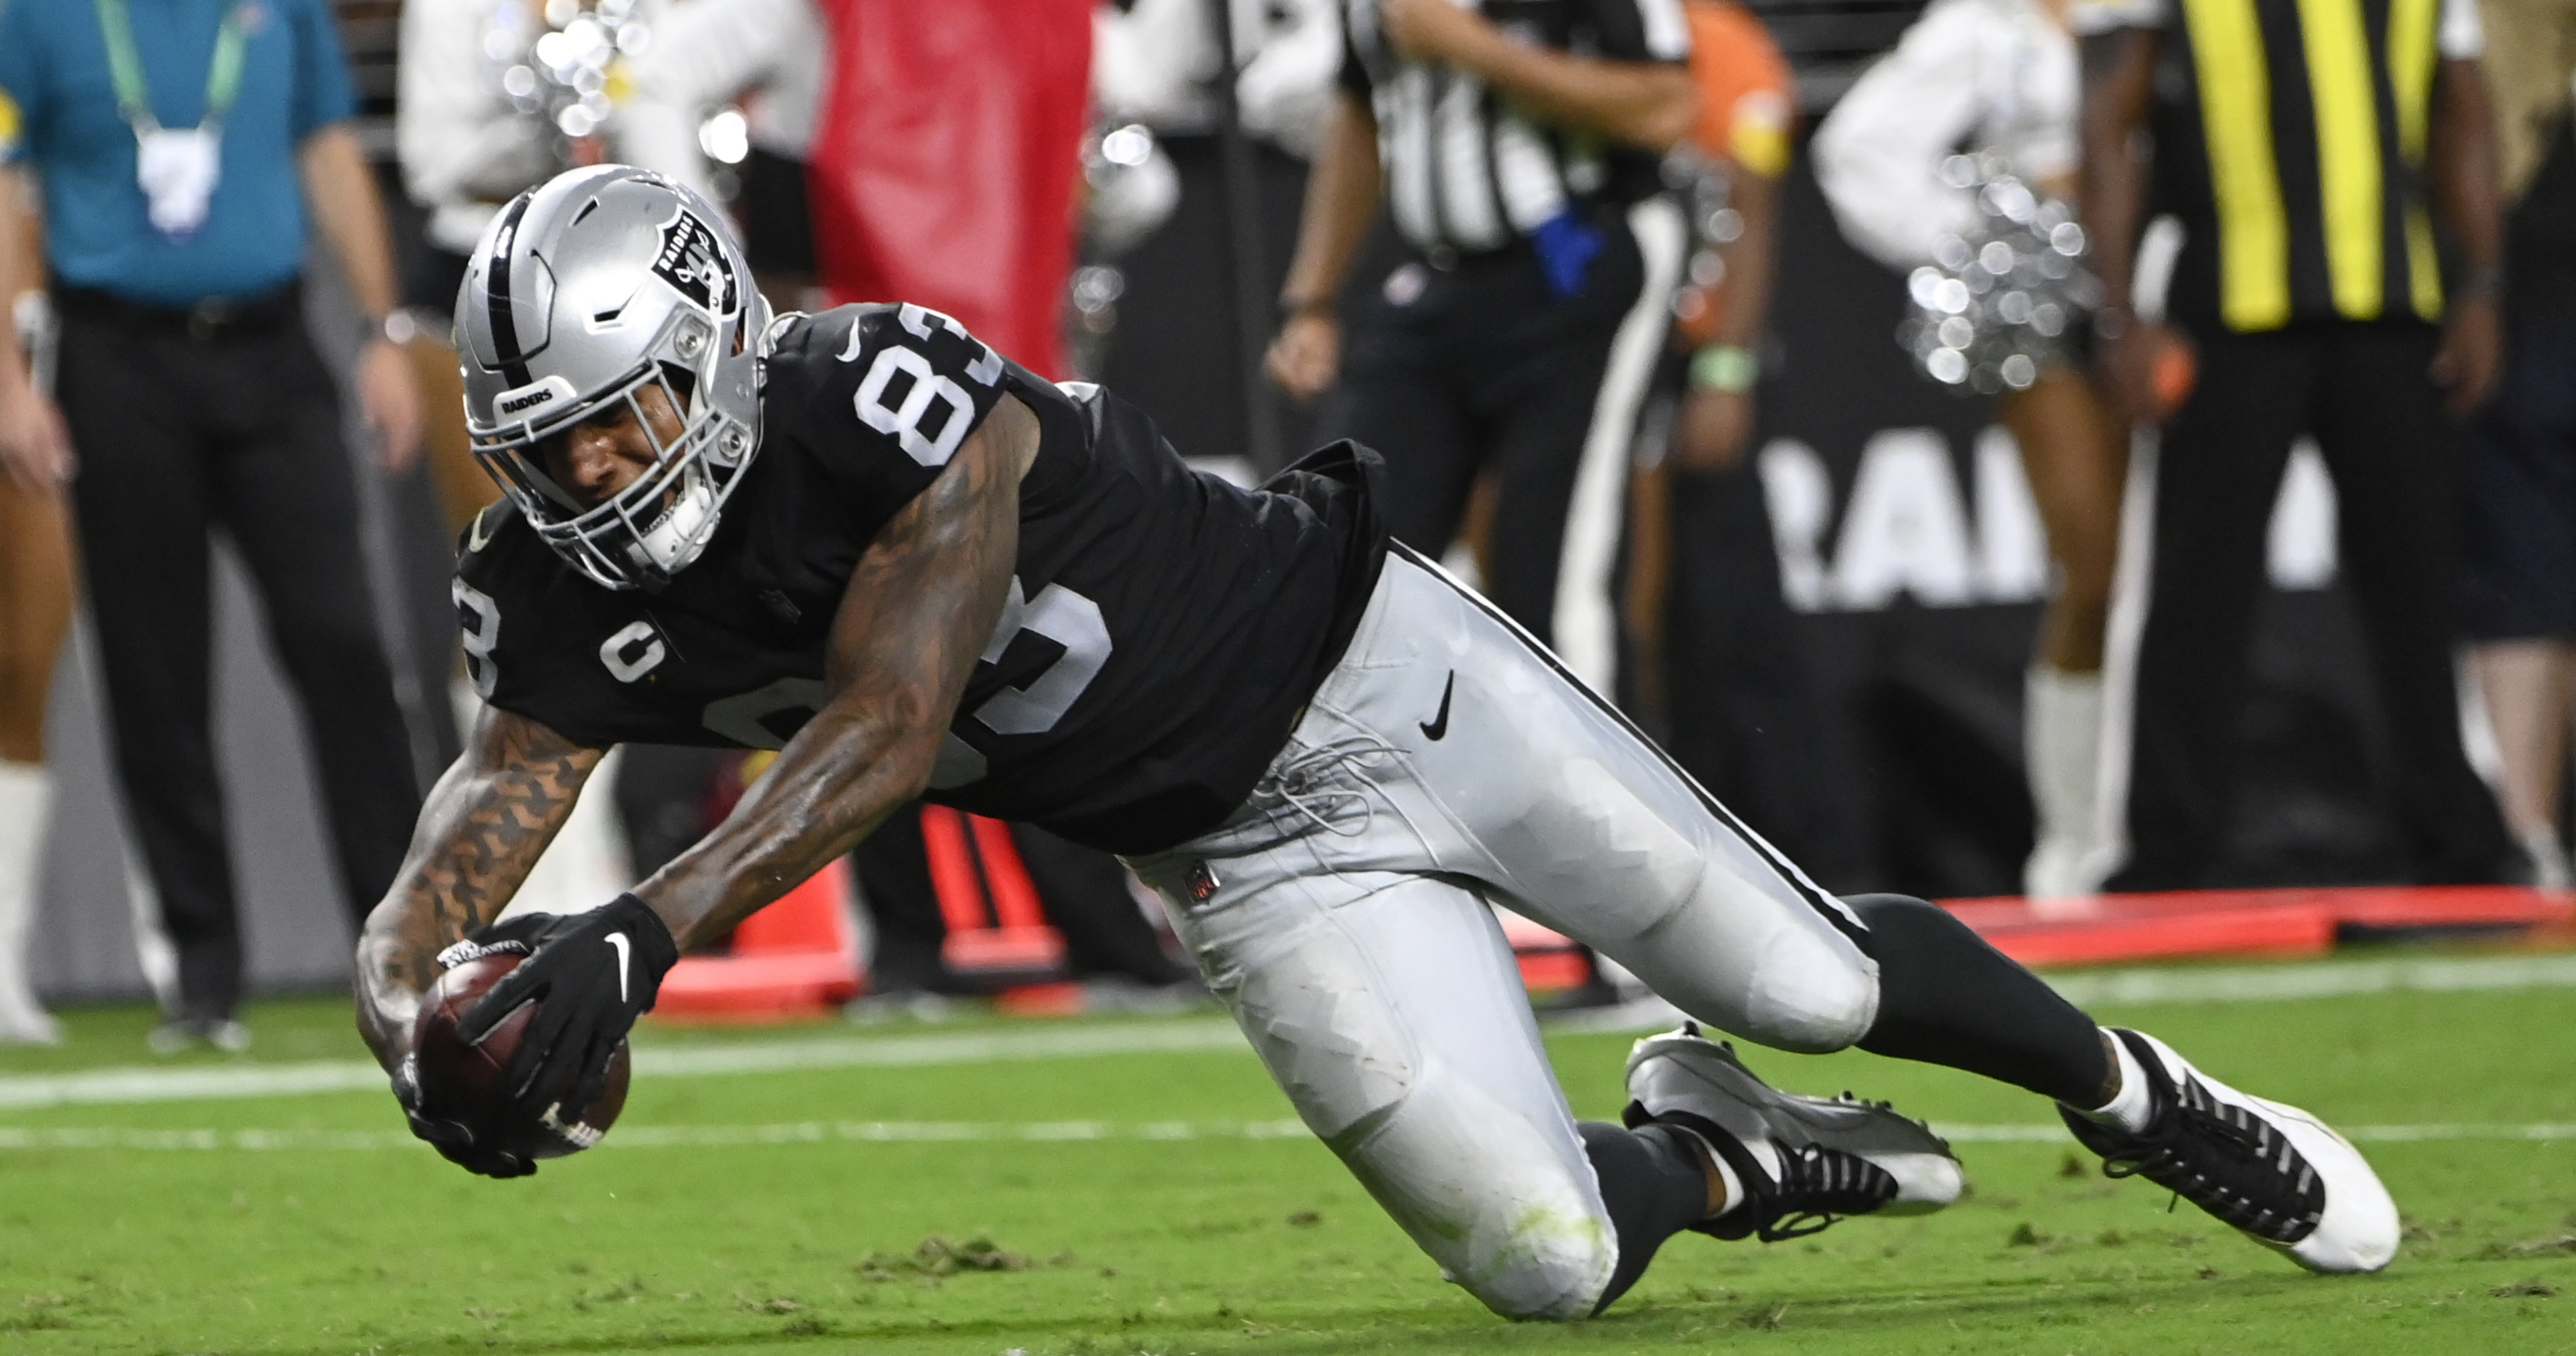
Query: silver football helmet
point(585, 290)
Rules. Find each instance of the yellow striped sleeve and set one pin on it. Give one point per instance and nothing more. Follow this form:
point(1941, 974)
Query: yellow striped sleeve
point(2348, 176)
point(2410, 70)
point(2236, 113)
point(2423, 264)
point(2411, 28)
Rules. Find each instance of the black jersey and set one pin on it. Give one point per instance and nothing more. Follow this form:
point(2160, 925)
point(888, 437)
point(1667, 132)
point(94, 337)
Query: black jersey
point(1163, 630)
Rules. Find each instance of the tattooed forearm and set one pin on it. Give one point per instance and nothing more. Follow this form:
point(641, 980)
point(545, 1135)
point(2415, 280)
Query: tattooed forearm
point(916, 615)
point(487, 821)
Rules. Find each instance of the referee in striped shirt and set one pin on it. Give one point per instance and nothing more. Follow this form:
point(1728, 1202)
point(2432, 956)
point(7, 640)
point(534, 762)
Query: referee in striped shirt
point(1518, 144)
point(2312, 150)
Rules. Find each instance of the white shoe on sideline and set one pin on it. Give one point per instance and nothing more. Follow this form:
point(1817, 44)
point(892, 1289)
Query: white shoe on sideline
point(35, 1026)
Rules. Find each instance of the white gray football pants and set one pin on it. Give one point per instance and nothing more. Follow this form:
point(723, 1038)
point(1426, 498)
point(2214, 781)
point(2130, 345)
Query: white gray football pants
point(1341, 915)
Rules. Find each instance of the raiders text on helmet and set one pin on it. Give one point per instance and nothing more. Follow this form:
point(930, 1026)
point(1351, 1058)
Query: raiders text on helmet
point(583, 291)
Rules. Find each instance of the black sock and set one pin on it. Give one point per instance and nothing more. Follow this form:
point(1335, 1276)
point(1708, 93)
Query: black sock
point(1945, 997)
point(1652, 1181)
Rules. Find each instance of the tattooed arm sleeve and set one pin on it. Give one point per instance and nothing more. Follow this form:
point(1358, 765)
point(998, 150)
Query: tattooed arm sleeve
point(919, 607)
point(486, 821)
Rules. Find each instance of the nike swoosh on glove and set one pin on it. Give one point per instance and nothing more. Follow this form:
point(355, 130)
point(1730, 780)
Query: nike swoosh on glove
point(452, 1139)
point(590, 975)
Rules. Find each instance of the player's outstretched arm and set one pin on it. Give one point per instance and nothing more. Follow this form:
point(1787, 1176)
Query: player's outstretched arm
point(481, 832)
point(920, 607)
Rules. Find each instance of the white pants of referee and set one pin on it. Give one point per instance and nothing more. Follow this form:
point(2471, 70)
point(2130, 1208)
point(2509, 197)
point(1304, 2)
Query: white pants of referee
point(1341, 915)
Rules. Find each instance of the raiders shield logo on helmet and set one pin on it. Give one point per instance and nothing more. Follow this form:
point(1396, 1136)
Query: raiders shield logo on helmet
point(692, 262)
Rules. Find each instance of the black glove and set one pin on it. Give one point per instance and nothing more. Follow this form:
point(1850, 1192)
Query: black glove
point(452, 1139)
point(590, 975)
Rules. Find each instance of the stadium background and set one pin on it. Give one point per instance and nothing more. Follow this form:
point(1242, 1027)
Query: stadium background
point(1904, 542)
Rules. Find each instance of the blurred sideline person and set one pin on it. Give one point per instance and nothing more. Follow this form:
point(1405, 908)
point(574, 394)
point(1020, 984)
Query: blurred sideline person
point(1517, 336)
point(2310, 282)
point(2001, 77)
point(2518, 581)
point(1747, 114)
point(1160, 232)
point(769, 56)
point(1712, 662)
point(179, 159)
point(465, 148)
point(1156, 61)
point(35, 617)
point(916, 567)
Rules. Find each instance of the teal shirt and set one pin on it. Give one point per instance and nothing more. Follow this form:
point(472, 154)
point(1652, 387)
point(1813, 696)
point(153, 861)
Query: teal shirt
point(61, 120)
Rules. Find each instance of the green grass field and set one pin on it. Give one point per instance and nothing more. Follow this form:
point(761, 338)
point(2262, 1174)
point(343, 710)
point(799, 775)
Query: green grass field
point(1152, 1202)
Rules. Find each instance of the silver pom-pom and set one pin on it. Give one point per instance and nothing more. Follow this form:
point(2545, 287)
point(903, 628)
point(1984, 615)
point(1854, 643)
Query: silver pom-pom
point(1996, 307)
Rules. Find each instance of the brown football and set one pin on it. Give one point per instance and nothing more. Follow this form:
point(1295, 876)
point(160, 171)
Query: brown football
point(462, 1083)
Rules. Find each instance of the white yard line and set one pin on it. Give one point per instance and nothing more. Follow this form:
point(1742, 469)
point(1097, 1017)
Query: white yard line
point(2107, 988)
point(21, 1138)
point(669, 1136)
point(101, 1087)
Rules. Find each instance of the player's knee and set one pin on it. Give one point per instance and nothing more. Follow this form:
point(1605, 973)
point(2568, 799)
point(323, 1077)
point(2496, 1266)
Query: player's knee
point(1813, 992)
point(1487, 1191)
point(1546, 1271)
point(1479, 1192)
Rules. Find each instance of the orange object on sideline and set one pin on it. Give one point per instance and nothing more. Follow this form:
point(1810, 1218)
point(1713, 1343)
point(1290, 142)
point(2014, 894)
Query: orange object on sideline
point(1748, 101)
point(1040, 1000)
point(1549, 960)
point(2290, 922)
point(1012, 943)
point(2175, 371)
point(1748, 116)
point(1015, 897)
point(796, 959)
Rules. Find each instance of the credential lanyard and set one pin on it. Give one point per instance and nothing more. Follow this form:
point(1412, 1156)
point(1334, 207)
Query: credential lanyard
point(125, 67)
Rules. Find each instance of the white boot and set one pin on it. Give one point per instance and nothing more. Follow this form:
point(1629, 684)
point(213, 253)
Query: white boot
point(2062, 746)
point(2549, 866)
point(26, 790)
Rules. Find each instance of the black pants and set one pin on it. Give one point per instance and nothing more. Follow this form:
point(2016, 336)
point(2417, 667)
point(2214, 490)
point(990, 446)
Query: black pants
point(2362, 390)
point(2519, 492)
point(1741, 704)
point(177, 436)
point(1454, 371)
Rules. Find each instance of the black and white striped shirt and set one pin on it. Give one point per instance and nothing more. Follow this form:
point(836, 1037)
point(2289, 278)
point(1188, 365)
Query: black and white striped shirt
point(1469, 172)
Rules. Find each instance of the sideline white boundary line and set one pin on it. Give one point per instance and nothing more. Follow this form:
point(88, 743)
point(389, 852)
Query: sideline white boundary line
point(2324, 979)
point(2203, 984)
point(2109, 988)
point(971, 1132)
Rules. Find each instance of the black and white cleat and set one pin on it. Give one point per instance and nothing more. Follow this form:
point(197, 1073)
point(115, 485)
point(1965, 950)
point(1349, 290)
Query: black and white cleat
point(2278, 1174)
point(1804, 1162)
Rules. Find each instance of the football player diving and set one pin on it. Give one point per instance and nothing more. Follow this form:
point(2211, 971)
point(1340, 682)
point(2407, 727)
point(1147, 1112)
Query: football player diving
point(916, 569)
